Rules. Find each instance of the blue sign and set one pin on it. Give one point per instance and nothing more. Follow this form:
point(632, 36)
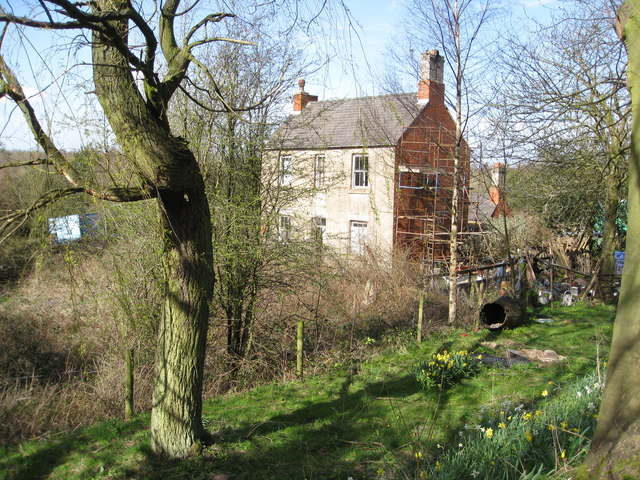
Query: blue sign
point(619, 262)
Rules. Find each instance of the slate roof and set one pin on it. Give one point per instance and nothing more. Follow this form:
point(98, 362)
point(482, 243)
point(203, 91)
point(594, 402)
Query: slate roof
point(356, 122)
point(481, 208)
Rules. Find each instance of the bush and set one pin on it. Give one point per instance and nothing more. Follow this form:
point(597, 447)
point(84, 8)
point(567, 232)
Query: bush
point(445, 369)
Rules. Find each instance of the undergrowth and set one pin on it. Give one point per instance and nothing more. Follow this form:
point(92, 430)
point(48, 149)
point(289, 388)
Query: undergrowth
point(368, 418)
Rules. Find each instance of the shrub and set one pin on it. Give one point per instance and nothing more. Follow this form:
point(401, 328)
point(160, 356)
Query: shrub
point(445, 369)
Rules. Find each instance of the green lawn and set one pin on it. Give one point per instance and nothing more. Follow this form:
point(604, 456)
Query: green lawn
point(365, 419)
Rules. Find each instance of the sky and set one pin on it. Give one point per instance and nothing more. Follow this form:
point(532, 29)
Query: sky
point(375, 22)
point(378, 22)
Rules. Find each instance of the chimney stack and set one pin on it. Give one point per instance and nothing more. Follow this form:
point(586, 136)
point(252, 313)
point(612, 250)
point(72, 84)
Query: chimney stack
point(498, 182)
point(431, 84)
point(302, 98)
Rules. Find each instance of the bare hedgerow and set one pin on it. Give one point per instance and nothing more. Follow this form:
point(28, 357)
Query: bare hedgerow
point(61, 345)
point(74, 308)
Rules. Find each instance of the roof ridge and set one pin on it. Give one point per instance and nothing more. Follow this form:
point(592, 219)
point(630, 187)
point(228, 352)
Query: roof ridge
point(369, 96)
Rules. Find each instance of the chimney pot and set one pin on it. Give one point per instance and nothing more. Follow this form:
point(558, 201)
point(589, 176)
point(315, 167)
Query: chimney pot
point(302, 98)
point(498, 182)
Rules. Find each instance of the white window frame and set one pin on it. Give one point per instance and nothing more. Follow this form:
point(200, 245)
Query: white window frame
point(318, 171)
point(320, 232)
point(284, 228)
point(358, 233)
point(285, 170)
point(360, 170)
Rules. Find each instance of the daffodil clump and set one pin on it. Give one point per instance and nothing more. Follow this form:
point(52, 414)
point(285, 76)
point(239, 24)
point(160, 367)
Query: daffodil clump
point(512, 440)
point(445, 369)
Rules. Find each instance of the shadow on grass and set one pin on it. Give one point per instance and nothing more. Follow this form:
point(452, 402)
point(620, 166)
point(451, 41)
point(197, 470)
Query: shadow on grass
point(322, 440)
point(95, 445)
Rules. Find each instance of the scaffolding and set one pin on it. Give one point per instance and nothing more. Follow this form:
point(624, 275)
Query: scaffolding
point(424, 192)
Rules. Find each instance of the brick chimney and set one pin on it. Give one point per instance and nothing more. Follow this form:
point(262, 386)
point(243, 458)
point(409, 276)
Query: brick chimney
point(497, 182)
point(302, 98)
point(431, 84)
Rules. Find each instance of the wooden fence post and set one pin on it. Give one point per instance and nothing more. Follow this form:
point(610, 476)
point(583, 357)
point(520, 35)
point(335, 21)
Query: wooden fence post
point(420, 317)
point(128, 383)
point(299, 349)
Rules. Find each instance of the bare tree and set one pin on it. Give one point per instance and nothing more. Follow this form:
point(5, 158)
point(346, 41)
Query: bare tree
point(455, 26)
point(230, 137)
point(567, 109)
point(140, 59)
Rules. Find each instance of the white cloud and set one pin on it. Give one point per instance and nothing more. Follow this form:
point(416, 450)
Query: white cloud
point(32, 94)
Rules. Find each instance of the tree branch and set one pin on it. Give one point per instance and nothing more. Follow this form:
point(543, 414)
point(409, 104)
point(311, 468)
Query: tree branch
point(39, 161)
point(48, 198)
point(213, 18)
point(28, 22)
point(12, 88)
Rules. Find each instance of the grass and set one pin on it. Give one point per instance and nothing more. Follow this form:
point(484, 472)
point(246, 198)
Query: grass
point(367, 418)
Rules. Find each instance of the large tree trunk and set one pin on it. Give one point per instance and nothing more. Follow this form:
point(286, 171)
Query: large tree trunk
point(615, 447)
point(165, 164)
point(176, 418)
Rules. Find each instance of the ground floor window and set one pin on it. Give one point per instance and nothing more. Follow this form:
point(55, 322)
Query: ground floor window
point(320, 230)
point(358, 236)
point(284, 228)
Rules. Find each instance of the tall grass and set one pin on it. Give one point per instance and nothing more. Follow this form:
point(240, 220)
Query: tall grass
point(367, 418)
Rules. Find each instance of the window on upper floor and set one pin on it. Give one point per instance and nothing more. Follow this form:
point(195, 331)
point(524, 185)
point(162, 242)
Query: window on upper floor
point(318, 177)
point(360, 171)
point(418, 180)
point(285, 169)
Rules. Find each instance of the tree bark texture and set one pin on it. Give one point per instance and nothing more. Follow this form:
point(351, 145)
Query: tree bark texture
point(453, 238)
point(165, 164)
point(615, 446)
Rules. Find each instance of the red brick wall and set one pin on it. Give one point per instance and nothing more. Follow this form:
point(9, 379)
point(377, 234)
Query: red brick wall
point(428, 144)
